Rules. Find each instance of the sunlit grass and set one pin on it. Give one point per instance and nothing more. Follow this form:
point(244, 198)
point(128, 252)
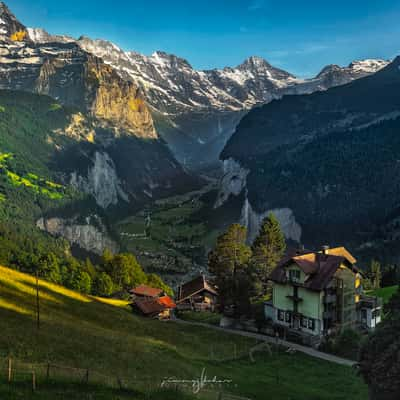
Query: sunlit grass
point(14, 307)
point(32, 181)
point(103, 335)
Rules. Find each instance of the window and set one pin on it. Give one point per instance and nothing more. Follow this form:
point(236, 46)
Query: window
point(304, 322)
point(281, 315)
point(311, 323)
point(376, 313)
point(363, 315)
point(288, 316)
point(294, 275)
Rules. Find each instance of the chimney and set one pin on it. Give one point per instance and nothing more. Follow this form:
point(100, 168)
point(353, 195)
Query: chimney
point(325, 249)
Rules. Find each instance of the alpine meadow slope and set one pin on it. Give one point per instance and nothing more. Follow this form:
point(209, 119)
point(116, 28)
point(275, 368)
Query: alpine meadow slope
point(105, 337)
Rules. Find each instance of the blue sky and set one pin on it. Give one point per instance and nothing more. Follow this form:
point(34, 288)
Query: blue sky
point(299, 36)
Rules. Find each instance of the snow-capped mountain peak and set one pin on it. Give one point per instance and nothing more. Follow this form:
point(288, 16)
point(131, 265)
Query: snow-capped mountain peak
point(369, 66)
point(39, 35)
point(200, 106)
point(9, 25)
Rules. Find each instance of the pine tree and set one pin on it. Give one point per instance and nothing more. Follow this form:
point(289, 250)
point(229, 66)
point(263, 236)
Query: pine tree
point(268, 247)
point(227, 262)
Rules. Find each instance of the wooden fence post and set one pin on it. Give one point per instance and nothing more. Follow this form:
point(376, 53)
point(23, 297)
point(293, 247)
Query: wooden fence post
point(220, 396)
point(33, 381)
point(120, 384)
point(9, 369)
point(48, 371)
point(87, 376)
point(235, 351)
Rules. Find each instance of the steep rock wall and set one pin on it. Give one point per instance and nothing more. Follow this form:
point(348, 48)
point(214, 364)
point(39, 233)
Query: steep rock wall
point(88, 236)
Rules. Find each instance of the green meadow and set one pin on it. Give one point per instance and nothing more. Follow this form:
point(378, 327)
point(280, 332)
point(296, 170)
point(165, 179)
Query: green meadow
point(104, 337)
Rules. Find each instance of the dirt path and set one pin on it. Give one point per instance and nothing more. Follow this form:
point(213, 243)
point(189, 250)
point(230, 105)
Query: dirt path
point(303, 349)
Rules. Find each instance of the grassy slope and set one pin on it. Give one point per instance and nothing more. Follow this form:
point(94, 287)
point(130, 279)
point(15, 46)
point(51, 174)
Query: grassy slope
point(28, 142)
point(102, 335)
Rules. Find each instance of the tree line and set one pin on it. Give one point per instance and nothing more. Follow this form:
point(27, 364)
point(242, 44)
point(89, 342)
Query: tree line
point(34, 252)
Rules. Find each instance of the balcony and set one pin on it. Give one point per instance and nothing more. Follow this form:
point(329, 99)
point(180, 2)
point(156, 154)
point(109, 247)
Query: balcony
point(330, 298)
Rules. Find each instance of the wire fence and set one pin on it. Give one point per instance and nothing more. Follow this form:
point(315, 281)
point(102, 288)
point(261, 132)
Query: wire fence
point(37, 375)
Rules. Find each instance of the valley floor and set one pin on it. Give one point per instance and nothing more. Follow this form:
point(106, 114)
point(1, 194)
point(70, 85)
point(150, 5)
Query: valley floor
point(103, 336)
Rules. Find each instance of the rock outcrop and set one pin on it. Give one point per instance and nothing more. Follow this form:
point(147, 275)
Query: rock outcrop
point(101, 181)
point(90, 234)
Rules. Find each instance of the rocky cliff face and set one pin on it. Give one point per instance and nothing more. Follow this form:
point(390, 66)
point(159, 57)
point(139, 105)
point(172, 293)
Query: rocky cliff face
point(10, 27)
point(77, 79)
point(101, 181)
point(34, 61)
point(90, 234)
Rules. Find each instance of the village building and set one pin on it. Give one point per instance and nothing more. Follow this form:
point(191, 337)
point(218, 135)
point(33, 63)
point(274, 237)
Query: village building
point(157, 307)
point(197, 295)
point(316, 294)
point(151, 302)
point(145, 291)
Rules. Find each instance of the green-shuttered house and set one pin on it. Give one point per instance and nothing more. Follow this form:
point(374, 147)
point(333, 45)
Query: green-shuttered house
point(319, 293)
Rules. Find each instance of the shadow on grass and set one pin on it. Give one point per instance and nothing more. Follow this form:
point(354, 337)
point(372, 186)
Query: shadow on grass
point(53, 390)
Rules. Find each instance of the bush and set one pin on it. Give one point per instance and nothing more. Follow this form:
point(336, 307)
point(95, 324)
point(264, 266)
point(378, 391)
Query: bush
point(103, 285)
point(347, 344)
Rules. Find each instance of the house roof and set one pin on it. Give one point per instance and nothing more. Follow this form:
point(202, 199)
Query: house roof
point(150, 306)
point(166, 301)
point(144, 290)
point(319, 267)
point(342, 252)
point(195, 286)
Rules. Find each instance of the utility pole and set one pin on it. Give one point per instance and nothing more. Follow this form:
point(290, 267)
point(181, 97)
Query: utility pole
point(37, 300)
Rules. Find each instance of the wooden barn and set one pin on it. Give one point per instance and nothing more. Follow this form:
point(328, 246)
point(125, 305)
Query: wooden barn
point(197, 295)
point(156, 307)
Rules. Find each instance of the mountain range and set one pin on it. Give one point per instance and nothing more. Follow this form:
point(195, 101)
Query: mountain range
point(123, 130)
point(326, 162)
point(197, 111)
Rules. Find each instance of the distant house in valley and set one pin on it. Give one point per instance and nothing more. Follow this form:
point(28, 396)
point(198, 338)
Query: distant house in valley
point(154, 307)
point(320, 293)
point(145, 291)
point(198, 295)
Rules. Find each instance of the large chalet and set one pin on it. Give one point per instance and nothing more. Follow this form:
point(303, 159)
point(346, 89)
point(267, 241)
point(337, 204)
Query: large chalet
point(320, 293)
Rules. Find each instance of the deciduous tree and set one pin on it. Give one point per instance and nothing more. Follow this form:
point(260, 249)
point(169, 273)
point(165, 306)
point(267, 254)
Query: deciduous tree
point(380, 356)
